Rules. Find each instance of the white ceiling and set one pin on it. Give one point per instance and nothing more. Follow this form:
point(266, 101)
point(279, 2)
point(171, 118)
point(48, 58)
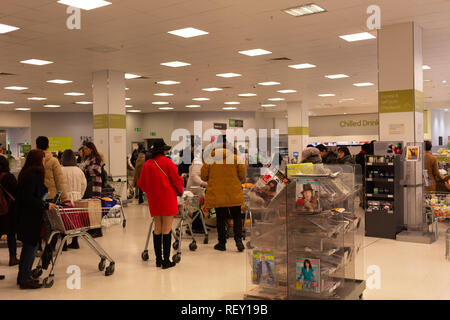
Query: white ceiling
point(138, 29)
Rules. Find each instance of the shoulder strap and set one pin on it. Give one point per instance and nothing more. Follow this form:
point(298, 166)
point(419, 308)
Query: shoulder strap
point(156, 163)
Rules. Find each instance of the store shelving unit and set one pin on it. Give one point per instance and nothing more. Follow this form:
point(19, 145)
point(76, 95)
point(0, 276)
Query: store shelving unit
point(383, 196)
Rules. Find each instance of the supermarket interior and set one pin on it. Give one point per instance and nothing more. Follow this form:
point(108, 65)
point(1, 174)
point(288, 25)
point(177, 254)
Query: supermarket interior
point(225, 150)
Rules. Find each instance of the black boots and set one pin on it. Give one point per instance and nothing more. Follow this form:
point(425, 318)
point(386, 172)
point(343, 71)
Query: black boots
point(239, 245)
point(220, 246)
point(167, 242)
point(157, 242)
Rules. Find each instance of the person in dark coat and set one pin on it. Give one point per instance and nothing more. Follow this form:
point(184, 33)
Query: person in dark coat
point(311, 155)
point(328, 157)
point(8, 183)
point(29, 210)
point(344, 156)
point(361, 156)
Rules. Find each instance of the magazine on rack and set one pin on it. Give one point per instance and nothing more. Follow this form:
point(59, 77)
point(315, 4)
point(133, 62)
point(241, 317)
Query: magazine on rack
point(264, 268)
point(307, 195)
point(307, 274)
point(269, 186)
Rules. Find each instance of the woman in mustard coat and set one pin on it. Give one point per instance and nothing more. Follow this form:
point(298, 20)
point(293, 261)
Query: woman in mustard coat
point(224, 192)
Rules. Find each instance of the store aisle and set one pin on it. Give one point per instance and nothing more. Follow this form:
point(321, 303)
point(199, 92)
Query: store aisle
point(409, 271)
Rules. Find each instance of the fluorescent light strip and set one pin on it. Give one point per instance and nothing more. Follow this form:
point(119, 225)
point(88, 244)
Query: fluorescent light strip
point(129, 76)
point(302, 66)
point(59, 81)
point(83, 102)
point(212, 89)
point(268, 105)
point(276, 99)
point(6, 102)
point(255, 52)
point(175, 64)
point(304, 10)
point(363, 84)
point(74, 94)
point(287, 91)
point(134, 111)
point(232, 102)
point(201, 99)
point(327, 95)
point(425, 67)
point(228, 75)
point(247, 95)
point(229, 108)
point(268, 83)
point(16, 88)
point(160, 102)
point(165, 108)
point(163, 94)
point(128, 106)
point(23, 109)
point(52, 106)
point(36, 62)
point(127, 99)
point(357, 37)
point(337, 76)
point(188, 32)
point(193, 106)
point(168, 82)
point(4, 28)
point(37, 98)
point(85, 4)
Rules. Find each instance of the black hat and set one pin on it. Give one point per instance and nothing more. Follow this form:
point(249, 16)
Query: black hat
point(307, 187)
point(160, 145)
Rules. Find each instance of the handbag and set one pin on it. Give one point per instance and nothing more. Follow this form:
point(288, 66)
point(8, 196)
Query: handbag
point(5, 203)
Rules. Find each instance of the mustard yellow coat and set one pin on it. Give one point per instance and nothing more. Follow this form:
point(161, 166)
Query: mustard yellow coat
point(224, 180)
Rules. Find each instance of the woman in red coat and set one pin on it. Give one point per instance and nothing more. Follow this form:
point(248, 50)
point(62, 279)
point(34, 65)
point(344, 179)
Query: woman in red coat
point(159, 179)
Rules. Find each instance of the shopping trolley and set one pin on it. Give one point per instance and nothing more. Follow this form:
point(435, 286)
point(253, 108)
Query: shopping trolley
point(74, 222)
point(115, 193)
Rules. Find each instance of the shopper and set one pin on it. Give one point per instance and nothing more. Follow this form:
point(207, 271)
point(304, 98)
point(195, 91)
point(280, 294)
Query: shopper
point(224, 192)
point(361, 156)
point(8, 185)
point(159, 179)
point(431, 164)
point(93, 172)
point(344, 156)
point(54, 180)
point(76, 183)
point(311, 155)
point(328, 157)
point(29, 209)
point(195, 179)
point(137, 173)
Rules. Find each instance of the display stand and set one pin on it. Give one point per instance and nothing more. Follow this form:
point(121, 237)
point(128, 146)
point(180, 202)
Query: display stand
point(307, 242)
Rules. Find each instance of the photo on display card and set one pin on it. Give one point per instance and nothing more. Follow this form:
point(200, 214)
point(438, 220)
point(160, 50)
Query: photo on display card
point(412, 153)
point(307, 274)
point(307, 195)
point(271, 183)
point(263, 272)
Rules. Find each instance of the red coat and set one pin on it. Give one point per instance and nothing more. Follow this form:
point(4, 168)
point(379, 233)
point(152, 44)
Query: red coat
point(161, 195)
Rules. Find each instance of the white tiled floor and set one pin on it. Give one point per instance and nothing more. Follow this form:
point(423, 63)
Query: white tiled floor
point(408, 271)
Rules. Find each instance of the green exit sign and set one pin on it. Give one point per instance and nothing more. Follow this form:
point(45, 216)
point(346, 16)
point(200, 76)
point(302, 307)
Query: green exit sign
point(153, 134)
point(137, 129)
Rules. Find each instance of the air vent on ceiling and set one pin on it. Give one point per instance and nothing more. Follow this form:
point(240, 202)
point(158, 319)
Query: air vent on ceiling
point(280, 59)
point(27, 93)
point(225, 87)
point(6, 74)
point(103, 49)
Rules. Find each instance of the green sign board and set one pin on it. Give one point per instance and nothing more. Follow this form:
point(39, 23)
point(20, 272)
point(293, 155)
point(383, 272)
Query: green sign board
point(105, 121)
point(60, 143)
point(236, 123)
point(400, 101)
point(153, 134)
point(137, 129)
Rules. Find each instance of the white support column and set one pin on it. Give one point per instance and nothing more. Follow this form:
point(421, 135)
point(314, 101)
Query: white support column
point(110, 120)
point(298, 127)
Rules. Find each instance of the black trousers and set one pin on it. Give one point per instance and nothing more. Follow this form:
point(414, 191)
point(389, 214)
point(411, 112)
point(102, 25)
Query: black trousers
point(222, 216)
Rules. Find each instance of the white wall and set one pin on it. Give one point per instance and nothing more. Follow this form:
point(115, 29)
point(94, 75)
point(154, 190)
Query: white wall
point(15, 119)
point(281, 124)
point(440, 126)
point(16, 136)
point(62, 124)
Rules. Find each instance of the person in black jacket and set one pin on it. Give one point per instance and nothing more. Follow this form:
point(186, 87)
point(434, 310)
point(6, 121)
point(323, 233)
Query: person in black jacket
point(29, 210)
point(344, 156)
point(8, 183)
point(328, 157)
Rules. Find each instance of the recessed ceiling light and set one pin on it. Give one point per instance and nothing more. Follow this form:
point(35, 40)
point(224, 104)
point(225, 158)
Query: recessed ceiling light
point(37, 98)
point(302, 66)
point(232, 102)
point(83, 102)
point(348, 99)
point(85, 4)
point(36, 62)
point(304, 10)
point(4, 28)
point(74, 94)
point(268, 83)
point(168, 82)
point(23, 109)
point(127, 88)
point(52, 106)
point(327, 95)
point(336, 76)
point(188, 32)
point(129, 76)
point(212, 89)
point(287, 91)
point(16, 88)
point(128, 106)
point(127, 99)
point(268, 105)
point(255, 52)
point(276, 99)
point(165, 108)
point(357, 36)
point(363, 84)
point(247, 95)
point(6, 102)
point(201, 99)
point(426, 80)
point(59, 81)
point(163, 94)
point(444, 81)
point(193, 106)
point(229, 108)
point(228, 75)
point(160, 102)
point(135, 110)
point(425, 67)
point(175, 64)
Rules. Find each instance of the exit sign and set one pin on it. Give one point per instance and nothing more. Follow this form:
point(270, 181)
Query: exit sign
point(137, 129)
point(153, 134)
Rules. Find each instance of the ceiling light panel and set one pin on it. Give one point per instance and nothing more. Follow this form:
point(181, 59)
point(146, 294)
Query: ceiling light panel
point(74, 94)
point(17, 88)
point(287, 91)
point(425, 67)
point(23, 109)
point(188, 32)
point(363, 84)
point(6, 102)
point(193, 106)
point(129, 76)
point(52, 106)
point(168, 82)
point(357, 37)
point(175, 64)
point(201, 99)
point(228, 75)
point(134, 111)
point(59, 81)
point(83, 102)
point(165, 108)
point(37, 98)
point(127, 99)
point(304, 10)
point(4, 28)
point(128, 106)
point(36, 62)
point(337, 76)
point(163, 94)
point(85, 4)
point(232, 102)
point(160, 102)
point(276, 99)
point(247, 95)
point(212, 89)
point(302, 66)
point(268, 83)
point(268, 105)
point(327, 95)
point(229, 108)
point(255, 52)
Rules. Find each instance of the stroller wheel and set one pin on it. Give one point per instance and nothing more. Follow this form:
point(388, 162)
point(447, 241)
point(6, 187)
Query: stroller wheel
point(175, 245)
point(47, 282)
point(144, 255)
point(36, 273)
point(110, 269)
point(101, 264)
point(176, 258)
point(193, 246)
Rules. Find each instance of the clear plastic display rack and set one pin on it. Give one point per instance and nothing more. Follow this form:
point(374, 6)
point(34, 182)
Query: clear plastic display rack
point(307, 236)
